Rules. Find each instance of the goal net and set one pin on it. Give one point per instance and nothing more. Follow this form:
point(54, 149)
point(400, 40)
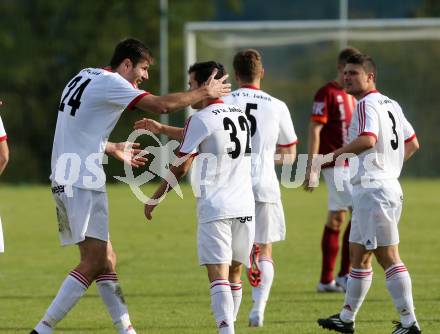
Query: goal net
point(300, 56)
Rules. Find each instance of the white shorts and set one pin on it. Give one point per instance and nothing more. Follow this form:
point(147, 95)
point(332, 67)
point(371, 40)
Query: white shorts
point(339, 187)
point(376, 214)
point(85, 214)
point(222, 241)
point(269, 222)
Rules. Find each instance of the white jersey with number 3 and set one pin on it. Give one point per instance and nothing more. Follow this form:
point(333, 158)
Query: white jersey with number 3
point(271, 126)
point(219, 135)
point(90, 106)
point(378, 116)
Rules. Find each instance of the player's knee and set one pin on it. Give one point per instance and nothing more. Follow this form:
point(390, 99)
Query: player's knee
point(95, 265)
point(335, 220)
point(110, 263)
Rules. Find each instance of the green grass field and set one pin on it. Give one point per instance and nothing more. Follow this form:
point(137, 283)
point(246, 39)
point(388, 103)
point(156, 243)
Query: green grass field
point(166, 290)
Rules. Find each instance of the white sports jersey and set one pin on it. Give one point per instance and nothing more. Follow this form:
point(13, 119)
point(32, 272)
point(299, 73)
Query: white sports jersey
point(378, 116)
point(271, 125)
point(90, 106)
point(221, 178)
point(3, 135)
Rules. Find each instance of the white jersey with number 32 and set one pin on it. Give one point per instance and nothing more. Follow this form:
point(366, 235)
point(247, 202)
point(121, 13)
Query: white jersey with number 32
point(221, 177)
point(90, 107)
point(271, 126)
point(378, 116)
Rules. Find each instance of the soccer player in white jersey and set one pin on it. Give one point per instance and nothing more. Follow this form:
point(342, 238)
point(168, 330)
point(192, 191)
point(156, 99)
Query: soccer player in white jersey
point(272, 133)
point(382, 139)
point(4, 158)
point(90, 106)
point(217, 137)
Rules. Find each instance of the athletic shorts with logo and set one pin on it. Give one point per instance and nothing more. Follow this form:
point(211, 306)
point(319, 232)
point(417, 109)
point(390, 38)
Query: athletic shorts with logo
point(226, 240)
point(84, 213)
point(376, 214)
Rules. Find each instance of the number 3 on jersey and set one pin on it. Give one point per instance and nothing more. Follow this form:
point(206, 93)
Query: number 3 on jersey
point(229, 125)
point(75, 99)
point(394, 142)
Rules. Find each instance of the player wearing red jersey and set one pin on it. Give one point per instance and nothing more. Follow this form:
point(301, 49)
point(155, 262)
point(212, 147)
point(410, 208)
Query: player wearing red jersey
point(331, 116)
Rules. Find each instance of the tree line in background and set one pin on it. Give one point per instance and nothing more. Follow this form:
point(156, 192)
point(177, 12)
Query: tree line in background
point(44, 43)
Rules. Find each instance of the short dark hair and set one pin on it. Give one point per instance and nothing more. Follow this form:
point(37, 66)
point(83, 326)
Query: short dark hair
point(365, 61)
point(132, 49)
point(203, 70)
point(346, 53)
point(247, 64)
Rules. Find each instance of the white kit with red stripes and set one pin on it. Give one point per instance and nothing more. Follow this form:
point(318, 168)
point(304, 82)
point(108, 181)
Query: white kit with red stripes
point(378, 116)
point(89, 109)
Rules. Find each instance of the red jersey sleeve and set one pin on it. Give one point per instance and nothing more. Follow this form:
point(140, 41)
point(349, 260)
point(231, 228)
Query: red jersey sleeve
point(319, 109)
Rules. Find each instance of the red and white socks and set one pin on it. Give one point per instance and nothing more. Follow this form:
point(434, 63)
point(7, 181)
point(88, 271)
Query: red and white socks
point(222, 305)
point(111, 293)
point(72, 289)
point(237, 293)
point(358, 284)
point(400, 288)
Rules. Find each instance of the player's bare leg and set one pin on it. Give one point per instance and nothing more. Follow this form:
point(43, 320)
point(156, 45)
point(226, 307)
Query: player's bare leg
point(399, 285)
point(260, 293)
point(93, 262)
point(222, 303)
point(236, 285)
point(330, 248)
point(111, 294)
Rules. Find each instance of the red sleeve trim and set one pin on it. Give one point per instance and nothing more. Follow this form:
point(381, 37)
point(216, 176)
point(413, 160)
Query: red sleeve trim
point(371, 134)
point(3, 138)
point(288, 145)
point(319, 119)
point(136, 100)
point(182, 154)
point(406, 140)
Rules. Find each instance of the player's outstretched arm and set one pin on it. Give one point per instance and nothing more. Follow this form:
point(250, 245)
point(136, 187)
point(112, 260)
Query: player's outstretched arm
point(159, 128)
point(126, 152)
point(179, 169)
point(411, 147)
point(213, 88)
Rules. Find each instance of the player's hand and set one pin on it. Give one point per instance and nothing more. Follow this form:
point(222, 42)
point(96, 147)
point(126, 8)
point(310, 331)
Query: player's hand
point(148, 209)
point(149, 124)
point(127, 152)
point(217, 87)
point(311, 181)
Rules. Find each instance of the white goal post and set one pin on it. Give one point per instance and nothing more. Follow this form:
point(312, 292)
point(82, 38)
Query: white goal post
point(235, 35)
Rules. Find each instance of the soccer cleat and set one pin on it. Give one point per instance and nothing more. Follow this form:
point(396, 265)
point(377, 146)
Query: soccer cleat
point(33, 332)
point(399, 329)
point(329, 287)
point(256, 319)
point(342, 282)
point(336, 324)
point(254, 272)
